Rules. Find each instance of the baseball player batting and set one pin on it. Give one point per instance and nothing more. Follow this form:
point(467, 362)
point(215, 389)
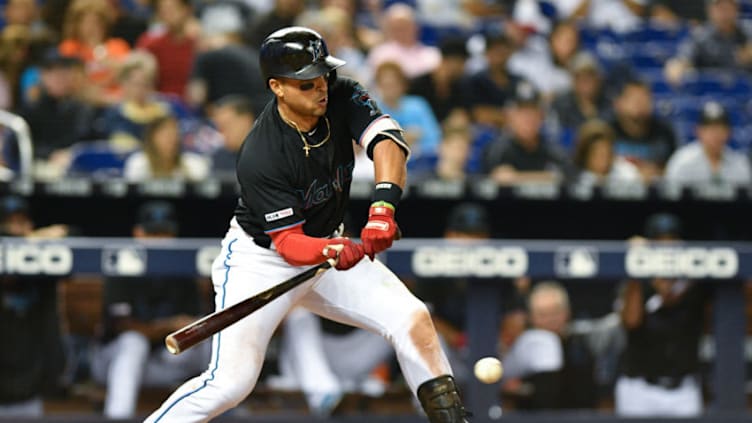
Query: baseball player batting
point(295, 169)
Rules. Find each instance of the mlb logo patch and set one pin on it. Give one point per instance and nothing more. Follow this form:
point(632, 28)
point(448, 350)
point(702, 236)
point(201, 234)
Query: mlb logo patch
point(279, 214)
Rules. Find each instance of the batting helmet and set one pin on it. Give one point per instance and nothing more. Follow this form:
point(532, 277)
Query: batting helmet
point(296, 52)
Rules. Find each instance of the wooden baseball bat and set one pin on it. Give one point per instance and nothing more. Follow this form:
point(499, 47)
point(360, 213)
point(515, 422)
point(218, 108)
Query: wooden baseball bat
point(201, 329)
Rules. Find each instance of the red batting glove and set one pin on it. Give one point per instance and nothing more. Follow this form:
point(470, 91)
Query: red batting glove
point(380, 230)
point(347, 253)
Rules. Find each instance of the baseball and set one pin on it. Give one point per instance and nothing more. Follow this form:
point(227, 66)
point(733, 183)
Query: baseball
point(488, 370)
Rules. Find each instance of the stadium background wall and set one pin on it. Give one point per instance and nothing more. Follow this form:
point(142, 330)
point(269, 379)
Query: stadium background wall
point(107, 209)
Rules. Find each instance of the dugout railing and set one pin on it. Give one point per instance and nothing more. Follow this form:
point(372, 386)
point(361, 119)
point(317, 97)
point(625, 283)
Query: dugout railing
point(483, 263)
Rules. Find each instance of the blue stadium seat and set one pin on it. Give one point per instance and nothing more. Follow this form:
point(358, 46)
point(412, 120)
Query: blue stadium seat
point(645, 60)
point(745, 9)
point(96, 159)
point(719, 83)
point(658, 33)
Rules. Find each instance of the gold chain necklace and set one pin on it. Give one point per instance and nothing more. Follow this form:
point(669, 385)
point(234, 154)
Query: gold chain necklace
point(306, 146)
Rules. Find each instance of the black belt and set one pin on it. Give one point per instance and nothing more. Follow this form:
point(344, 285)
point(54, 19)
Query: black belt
point(263, 243)
point(667, 382)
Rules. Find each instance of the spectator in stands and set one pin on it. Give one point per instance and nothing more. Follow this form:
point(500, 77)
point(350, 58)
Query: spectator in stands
point(129, 21)
point(162, 156)
point(21, 12)
point(126, 121)
point(452, 14)
point(85, 32)
point(677, 13)
point(336, 27)
point(58, 118)
point(27, 14)
point(32, 361)
point(585, 100)
point(595, 159)
point(221, 16)
point(210, 80)
point(709, 160)
point(233, 116)
point(544, 60)
point(282, 15)
point(173, 43)
point(422, 131)
point(443, 87)
point(488, 90)
point(617, 15)
point(455, 148)
point(15, 42)
point(641, 137)
point(664, 319)
point(550, 366)
point(521, 154)
point(402, 44)
point(138, 313)
point(721, 43)
point(540, 16)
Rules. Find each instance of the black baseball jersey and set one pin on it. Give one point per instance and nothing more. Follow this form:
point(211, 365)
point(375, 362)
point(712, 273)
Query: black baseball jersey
point(280, 187)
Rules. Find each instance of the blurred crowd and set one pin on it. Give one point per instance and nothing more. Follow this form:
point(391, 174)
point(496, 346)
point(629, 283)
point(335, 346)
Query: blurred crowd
point(626, 92)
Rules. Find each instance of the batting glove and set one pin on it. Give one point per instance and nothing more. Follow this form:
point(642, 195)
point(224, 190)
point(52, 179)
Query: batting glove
point(380, 230)
point(347, 253)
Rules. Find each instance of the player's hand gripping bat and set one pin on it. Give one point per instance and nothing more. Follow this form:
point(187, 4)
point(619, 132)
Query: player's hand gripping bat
point(190, 335)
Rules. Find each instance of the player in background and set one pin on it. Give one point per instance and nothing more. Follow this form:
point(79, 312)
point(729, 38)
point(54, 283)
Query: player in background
point(295, 169)
point(138, 312)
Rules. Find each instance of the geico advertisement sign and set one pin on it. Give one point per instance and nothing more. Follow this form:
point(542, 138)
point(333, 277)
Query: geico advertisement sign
point(470, 261)
point(693, 262)
point(35, 259)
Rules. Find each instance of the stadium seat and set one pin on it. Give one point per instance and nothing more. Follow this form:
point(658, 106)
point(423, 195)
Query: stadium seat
point(657, 33)
point(720, 83)
point(96, 159)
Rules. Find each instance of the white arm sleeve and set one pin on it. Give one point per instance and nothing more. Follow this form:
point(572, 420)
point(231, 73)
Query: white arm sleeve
point(386, 126)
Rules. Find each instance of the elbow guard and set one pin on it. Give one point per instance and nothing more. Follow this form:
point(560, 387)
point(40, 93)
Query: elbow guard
point(384, 127)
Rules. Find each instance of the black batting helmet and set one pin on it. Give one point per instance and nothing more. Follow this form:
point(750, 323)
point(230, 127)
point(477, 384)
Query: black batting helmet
point(296, 52)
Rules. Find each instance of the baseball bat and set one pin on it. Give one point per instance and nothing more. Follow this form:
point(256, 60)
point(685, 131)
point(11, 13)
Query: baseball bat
point(190, 335)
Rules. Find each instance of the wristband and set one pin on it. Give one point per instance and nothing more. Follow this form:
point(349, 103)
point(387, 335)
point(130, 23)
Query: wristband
point(386, 192)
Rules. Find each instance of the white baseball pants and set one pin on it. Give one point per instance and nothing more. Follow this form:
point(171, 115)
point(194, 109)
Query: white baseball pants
point(635, 397)
point(368, 296)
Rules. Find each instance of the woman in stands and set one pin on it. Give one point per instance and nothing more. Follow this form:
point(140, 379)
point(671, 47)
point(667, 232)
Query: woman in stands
point(595, 159)
point(85, 32)
point(162, 156)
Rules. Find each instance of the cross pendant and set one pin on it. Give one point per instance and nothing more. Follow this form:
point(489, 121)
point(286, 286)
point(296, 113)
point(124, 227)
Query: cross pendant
point(307, 150)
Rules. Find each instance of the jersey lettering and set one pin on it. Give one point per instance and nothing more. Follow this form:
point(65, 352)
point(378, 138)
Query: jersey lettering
point(318, 193)
point(343, 176)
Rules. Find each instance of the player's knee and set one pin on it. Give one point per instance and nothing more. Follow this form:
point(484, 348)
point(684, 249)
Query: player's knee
point(234, 394)
point(421, 329)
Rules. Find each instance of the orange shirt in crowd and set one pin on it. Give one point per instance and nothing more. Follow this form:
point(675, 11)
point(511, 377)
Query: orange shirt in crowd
point(100, 61)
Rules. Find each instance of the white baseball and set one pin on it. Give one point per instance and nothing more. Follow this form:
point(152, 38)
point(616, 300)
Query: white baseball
point(488, 369)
